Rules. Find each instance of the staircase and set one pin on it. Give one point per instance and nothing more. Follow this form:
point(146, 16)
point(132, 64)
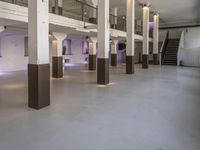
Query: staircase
point(170, 57)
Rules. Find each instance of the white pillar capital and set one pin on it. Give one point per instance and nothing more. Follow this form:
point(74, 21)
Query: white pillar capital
point(92, 39)
point(2, 28)
point(115, 42)
point(59, 36)
point(57, 43)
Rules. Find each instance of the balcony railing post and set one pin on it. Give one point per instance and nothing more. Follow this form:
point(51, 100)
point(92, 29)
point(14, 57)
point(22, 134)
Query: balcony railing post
point(82, 12)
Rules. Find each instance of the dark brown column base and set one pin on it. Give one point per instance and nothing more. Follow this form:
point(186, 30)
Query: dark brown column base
point(155, 59)
point(57, 67)
point(114, 60)
point(103, 71)
point(38, 86)
point(129, 64)
point(92, 62)
point(145, 61)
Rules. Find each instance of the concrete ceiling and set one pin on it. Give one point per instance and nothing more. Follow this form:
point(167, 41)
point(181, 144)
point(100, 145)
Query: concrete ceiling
point(172, 12)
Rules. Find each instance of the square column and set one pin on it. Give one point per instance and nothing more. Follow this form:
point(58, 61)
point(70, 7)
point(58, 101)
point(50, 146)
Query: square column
point(145, 54)
point(130, 49)
point(114, 47)
point(93, 12)
point(103, 42)
point(156, 39)
point(38, 67)
point(114, 17)
point(57, 56)
point(57, 7)
point(92, 53)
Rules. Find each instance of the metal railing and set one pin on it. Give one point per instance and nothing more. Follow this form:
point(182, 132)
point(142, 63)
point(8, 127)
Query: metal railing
point(82, 11)
point(164, 46)
point(17, 2)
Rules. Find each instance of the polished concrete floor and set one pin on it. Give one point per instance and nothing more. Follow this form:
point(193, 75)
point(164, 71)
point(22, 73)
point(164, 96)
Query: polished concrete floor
point(155, 109)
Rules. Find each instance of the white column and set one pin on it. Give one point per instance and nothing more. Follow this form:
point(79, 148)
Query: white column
point(38, 31)
point(114, 12)
point(92, 46)
point(103, 42)
point(145, 36)
point(39, 67)
point(156, 39)
point(57, 6)
point(156, 34)
point(130, 49)
point(92, 12)
point(57, 53)
point(103, 29)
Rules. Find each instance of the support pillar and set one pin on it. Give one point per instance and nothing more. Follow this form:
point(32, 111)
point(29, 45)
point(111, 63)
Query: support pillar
point(103, 42)
point(93, 12)
point(57, 59)
point(92, 53)
point(39, 66)
point(57, 7)
point(130, 49)
point(114, 47)
point(155, 39)
point(114, 19)
point(145, 54)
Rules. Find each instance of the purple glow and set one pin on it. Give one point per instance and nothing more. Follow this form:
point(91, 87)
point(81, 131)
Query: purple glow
point(151, 25)
point(75, 64)
point(3, 73)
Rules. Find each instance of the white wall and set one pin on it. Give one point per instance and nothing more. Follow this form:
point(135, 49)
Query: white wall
point(77, 56)
point(12, 50)
point(190, 54)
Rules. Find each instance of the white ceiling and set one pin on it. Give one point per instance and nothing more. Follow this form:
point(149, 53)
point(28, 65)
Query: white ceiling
point(172, 12)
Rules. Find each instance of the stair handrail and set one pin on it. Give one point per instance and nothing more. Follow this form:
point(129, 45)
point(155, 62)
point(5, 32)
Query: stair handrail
point(163, 47)
point(180, 47)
